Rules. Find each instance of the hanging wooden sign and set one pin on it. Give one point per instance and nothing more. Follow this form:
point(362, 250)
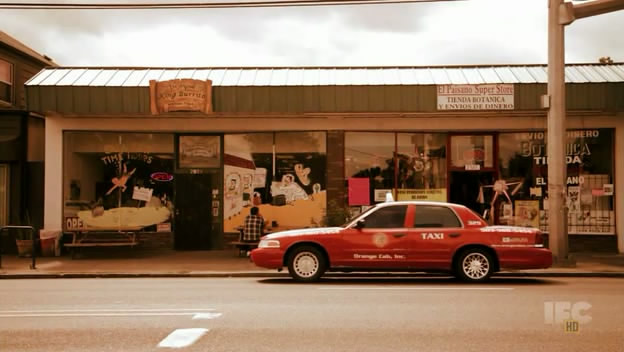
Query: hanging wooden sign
point(181, 95)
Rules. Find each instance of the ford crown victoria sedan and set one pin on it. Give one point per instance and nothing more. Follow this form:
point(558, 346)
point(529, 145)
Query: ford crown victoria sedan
point(406, 236)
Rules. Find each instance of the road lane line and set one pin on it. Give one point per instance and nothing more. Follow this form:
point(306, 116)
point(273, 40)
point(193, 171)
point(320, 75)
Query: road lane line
point(200, 316)
point(421, 288)
point(107, 310)
point(57, 315)
point(182, 338)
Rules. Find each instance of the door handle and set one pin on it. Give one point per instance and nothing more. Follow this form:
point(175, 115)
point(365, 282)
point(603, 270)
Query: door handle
point(454, 234)
point(397, 235)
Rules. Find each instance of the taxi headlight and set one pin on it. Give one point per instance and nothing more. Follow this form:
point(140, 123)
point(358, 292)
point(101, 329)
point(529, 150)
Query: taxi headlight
point(269, 244)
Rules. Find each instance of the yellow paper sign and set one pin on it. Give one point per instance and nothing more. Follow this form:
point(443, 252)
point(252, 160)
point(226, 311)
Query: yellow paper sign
point(432, 195)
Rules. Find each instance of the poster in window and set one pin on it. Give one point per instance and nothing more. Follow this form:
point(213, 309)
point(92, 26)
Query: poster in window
point(359, 191)
point(573, 199)
point(199, 151)
point(527, 213)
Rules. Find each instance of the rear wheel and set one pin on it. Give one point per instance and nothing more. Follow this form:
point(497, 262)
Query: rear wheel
point(474, 265)
point(306, 264)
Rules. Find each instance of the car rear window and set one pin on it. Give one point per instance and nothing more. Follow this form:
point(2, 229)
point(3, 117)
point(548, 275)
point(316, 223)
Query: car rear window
point(435, 216)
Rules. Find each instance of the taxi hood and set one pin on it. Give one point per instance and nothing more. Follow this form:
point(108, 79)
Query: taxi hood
point(304, 232)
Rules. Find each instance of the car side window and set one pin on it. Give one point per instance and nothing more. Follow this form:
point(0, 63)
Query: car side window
point(435, 216)
point(387, 217)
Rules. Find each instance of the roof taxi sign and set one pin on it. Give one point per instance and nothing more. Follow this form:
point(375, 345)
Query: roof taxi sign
point(475, 97)
point(181, 95)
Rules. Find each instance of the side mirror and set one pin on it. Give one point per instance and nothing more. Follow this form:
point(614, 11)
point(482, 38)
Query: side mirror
point(360, 224)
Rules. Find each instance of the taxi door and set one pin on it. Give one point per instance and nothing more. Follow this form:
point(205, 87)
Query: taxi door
point(382, 242)
point(434, 234)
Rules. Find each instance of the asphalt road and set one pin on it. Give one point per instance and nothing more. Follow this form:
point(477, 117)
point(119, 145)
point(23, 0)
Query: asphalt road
point(354, 314)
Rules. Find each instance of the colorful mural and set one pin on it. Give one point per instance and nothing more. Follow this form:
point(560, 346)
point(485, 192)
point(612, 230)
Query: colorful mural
point(279, 174)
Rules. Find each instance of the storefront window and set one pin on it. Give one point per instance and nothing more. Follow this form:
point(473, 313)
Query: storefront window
point(371, 155)
point(422, 166)
point(282, 173)
point(589, 159)
point(421, 171)
point(114, 180)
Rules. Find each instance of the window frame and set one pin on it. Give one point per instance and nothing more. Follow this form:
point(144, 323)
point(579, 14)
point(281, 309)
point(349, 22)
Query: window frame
point(10, 83)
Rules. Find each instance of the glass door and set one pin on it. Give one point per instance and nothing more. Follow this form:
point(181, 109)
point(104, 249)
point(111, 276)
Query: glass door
point(194, 213)
point(472, 171)
point(198, 214)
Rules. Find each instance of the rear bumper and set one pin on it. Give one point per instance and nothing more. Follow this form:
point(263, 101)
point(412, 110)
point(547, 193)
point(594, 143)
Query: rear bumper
point(270, 258)
point(524, 257)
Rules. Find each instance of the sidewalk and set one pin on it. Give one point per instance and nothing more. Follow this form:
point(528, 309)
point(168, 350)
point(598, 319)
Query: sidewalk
point(125, 262)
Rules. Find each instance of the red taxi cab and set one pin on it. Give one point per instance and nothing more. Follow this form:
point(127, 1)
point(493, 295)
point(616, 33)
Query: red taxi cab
point(406, 236)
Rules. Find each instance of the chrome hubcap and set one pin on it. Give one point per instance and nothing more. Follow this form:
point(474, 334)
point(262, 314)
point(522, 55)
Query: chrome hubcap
point(306, 264)
point(476, 266)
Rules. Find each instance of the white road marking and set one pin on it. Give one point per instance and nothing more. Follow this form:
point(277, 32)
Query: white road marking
point(182, 338)
point(198, 316)
point(107, 310)
point(58, 315)
point(421, 288)
point(108, 313)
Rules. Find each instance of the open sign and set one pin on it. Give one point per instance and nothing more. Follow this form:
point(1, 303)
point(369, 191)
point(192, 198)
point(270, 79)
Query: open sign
point(161, 176)
point(73, 223)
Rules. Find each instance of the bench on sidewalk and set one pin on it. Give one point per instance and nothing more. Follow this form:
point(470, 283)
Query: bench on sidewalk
point(126, 236)
point(243, 246)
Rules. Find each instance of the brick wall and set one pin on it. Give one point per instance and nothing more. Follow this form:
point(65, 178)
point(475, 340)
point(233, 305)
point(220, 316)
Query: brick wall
point(335, 168)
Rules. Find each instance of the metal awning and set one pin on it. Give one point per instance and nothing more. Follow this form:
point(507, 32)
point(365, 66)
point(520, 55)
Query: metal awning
point(324, 76)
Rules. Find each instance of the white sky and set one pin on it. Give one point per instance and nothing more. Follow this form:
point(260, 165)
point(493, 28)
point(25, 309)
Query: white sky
point(447, 33)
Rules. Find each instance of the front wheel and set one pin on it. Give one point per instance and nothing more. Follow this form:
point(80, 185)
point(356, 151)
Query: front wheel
point(306, 264)
point(474, 265)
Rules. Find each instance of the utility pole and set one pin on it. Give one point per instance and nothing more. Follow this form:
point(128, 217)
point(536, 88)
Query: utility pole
point(556, 137)
point(561, 14)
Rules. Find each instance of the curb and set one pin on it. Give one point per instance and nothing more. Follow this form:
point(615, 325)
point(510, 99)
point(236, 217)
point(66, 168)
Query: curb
point(285, 275)
point(138, 275)
point(615, 274)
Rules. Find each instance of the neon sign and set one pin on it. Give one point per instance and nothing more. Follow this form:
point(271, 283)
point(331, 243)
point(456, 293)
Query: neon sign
point(161, 176)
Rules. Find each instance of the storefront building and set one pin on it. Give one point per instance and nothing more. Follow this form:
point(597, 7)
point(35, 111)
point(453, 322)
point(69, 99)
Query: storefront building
point(185, 153)
point(21, 141)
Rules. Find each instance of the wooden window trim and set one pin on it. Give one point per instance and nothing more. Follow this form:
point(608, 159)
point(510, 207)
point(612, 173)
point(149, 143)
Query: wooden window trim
point(10, 82)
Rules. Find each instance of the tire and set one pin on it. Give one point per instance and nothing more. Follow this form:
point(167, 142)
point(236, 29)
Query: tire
point(306, 264)
point(474, 265)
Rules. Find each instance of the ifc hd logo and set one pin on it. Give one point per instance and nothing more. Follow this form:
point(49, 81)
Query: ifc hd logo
point(570, 314)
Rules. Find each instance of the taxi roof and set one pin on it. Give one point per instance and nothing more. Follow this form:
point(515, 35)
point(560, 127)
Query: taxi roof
point(419, 202)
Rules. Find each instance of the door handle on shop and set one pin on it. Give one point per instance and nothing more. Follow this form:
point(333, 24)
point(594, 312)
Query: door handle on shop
point(397, 235)
point(454, 234)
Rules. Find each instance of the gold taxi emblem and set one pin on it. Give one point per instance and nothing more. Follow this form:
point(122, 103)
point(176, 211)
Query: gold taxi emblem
point(380, 239)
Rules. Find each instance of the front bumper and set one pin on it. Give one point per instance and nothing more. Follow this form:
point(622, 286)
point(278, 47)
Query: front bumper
point(270, 258)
